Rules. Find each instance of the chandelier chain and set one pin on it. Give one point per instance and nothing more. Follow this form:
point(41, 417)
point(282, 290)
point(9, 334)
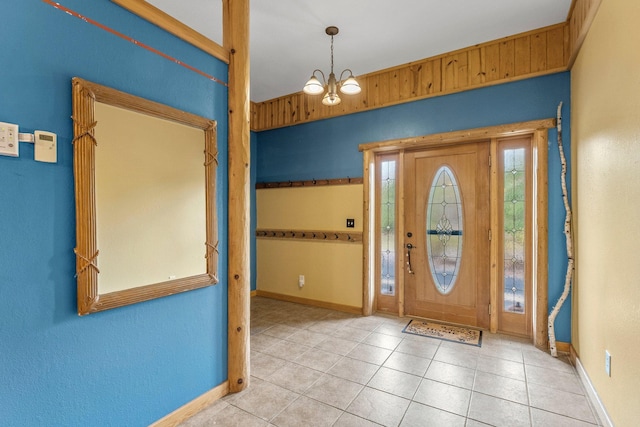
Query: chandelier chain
point(331, 54)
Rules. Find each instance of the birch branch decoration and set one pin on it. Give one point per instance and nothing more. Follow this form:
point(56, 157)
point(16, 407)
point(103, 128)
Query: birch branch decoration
point(567, 233)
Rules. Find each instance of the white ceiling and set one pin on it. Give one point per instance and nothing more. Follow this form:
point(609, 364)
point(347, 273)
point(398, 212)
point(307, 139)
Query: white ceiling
point(288, 40)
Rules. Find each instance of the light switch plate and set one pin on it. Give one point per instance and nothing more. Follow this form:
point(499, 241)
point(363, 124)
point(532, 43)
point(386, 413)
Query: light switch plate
point(9, 145)
point(46, 149)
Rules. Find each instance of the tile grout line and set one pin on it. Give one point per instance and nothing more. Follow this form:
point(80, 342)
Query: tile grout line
point(476, 370)
point(473, 386)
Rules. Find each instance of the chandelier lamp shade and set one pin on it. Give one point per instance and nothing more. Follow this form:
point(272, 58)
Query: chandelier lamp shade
point(315, 86)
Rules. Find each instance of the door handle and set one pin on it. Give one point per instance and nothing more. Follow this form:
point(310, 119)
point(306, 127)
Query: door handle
point(409, 247)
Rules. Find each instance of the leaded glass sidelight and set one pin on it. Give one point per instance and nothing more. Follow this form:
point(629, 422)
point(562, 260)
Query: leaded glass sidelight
point(444, 230)
point(514, 208)
point(388, 227)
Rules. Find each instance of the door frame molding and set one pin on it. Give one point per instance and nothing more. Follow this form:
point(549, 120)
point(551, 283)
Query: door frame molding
point(538, 130)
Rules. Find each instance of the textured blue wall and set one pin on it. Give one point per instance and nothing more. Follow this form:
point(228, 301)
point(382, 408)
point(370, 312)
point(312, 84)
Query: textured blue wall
point(128, 366)
point(329, 148)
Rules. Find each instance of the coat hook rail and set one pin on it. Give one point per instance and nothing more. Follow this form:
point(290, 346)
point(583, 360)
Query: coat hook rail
point(334, 236)
point(311, 183)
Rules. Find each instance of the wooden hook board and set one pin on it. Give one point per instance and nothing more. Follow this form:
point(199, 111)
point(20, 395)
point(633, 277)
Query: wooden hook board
point(324, 235)
point(310, 183)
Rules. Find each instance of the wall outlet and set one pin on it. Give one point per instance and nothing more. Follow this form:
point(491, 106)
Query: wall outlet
point(607, 362)
point(351, 223)
point(301, 280)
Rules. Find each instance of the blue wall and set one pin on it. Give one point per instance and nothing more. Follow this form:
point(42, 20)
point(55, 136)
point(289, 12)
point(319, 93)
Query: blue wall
point(329, 148)
point(128, 366)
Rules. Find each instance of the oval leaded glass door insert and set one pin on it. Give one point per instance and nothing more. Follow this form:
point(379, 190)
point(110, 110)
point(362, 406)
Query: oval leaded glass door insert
point(444, 230)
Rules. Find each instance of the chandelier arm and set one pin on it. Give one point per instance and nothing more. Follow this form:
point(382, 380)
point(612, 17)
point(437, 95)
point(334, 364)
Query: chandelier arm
point(342, 74)
point(324, 80)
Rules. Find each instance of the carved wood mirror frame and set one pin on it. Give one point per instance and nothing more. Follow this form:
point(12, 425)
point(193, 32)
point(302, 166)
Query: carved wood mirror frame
point(85, 94)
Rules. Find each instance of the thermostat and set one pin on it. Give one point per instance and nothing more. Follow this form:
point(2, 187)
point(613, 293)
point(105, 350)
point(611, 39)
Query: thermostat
point(46, 147)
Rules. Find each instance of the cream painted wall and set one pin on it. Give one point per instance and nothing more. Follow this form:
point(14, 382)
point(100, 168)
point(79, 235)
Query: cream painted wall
point(605, 124)
point(333, 271)
point(319, 208)
point(150, 199)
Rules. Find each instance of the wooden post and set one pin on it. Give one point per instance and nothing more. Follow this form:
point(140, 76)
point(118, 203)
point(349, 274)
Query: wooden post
point(367, 238)
point(236, 39)
point(541, 337)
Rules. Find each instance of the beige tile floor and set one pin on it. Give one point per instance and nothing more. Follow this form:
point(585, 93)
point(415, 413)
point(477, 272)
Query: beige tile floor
point(317, 367)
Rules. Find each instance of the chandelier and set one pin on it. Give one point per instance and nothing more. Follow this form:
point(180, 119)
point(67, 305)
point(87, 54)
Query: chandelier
point(349, 86)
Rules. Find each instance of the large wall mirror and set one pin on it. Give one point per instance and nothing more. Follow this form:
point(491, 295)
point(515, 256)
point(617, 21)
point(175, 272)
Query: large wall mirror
point(145, 180)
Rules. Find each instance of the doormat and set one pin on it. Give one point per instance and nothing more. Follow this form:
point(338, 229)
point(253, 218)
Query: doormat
point(440, 331)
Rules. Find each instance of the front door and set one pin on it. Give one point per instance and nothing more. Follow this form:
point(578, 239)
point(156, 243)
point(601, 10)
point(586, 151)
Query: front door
point(447, 219)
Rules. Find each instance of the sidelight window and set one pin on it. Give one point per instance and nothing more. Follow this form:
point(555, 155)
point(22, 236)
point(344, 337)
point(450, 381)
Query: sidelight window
point(388, 227)
point(514, 209)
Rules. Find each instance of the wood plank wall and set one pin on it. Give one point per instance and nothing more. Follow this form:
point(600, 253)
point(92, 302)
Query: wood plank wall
point(581, 16)
point(525, 55)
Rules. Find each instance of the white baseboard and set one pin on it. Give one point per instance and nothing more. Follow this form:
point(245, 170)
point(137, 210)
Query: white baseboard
point(592, 394)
